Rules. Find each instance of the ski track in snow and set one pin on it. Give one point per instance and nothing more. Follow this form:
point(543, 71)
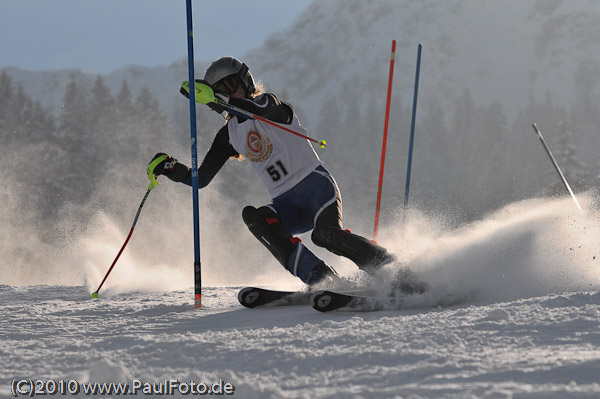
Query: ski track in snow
point(527, 325)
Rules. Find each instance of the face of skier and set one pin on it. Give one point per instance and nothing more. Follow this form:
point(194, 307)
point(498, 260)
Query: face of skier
point(231, 86)
point(239, 93)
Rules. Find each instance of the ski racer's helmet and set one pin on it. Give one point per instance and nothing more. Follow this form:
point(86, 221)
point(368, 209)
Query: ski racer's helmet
point(227, 73)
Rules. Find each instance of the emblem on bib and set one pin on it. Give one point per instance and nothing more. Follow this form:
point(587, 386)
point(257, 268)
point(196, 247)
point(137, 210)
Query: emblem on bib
point(258, 147)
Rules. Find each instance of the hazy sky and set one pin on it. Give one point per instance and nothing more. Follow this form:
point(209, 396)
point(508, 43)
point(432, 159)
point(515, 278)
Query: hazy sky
point(102, 35)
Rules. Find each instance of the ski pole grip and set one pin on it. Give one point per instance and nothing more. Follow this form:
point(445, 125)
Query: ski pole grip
point(204, 93)
point(150, 171)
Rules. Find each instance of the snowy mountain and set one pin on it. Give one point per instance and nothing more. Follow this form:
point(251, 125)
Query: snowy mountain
point(506, 51)
point(500, 51)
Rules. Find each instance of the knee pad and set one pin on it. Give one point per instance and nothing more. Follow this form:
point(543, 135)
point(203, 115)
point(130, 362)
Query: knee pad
point(264, 214)
point(264, 224)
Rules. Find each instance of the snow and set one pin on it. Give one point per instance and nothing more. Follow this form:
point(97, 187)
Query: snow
point(532, 348)
point(527, 325)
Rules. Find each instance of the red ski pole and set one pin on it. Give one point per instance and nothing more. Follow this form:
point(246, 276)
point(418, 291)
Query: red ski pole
point(205, 94)
point(153, 183)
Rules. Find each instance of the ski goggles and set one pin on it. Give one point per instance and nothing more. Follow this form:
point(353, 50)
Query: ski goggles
point(228, 84)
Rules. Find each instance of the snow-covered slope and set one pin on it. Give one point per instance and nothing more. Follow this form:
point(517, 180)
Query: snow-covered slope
point(527, 326)
point(543, 347)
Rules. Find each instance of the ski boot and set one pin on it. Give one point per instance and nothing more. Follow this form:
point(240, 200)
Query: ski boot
point(406, 282)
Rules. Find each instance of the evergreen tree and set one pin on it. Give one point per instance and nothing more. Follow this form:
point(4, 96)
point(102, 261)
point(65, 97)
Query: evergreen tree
point(101, 107)
point(6, 90)
point(151, 123)
point(22, 120)
point(493, 175)
point(464, 111)
point(19, 106)
point(565, 154)
point(73, 124)
point(6, 97)
point(41, 123)
point(26, 131)
point(123, 125)
point(124, 103)
point(437, 170)
point(31, 122)
point(74, 137)
point(102, 136)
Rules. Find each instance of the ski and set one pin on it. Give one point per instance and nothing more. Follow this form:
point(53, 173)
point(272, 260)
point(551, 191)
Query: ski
point(359, 299)
point(327, 301)
point(405, 284)
point(252, 297)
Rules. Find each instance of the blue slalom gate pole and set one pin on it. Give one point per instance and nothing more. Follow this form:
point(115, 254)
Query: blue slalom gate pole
point(412, 127)
point(197, 264)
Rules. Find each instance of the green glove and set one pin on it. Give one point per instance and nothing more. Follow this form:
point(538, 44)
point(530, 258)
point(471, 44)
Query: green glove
point(150, 170)
point(204, 93)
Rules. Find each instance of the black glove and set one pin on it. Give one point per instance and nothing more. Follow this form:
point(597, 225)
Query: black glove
point(216, 107)
point(171, 168)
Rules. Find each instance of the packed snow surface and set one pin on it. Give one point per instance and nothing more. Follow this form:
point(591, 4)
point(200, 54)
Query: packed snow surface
point(527, 325)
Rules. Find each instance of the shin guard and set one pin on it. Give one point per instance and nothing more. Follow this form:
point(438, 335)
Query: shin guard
point(265, 225)
point(367, 255)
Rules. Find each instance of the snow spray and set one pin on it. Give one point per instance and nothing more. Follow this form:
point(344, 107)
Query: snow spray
point(528, 248)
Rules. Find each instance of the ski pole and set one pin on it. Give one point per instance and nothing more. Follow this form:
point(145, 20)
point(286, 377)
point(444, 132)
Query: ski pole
point(205, 95)
point(153, 183)
point(385, 132)
point(560, 173)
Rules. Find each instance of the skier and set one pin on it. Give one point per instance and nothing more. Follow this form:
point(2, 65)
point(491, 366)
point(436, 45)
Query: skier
point(304, 194)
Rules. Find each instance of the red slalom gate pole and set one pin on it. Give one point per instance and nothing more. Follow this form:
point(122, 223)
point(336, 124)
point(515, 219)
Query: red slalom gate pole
point(385, 131)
